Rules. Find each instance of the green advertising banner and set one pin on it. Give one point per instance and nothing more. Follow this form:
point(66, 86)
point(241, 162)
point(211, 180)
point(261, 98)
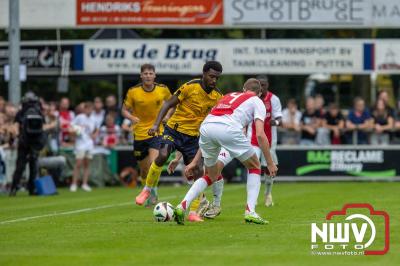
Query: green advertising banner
point(341, 162)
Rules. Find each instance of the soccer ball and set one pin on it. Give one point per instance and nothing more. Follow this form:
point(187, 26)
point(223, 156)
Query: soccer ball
point(163, 212)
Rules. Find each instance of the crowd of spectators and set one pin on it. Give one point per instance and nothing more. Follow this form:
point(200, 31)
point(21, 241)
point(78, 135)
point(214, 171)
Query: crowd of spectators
point(111, 129)
point(317, 124)
point(329, 125)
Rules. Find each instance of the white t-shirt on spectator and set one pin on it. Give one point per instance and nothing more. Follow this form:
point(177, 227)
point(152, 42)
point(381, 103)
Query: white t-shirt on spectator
point(288, 118)
point(84, 141)
point(98, 118)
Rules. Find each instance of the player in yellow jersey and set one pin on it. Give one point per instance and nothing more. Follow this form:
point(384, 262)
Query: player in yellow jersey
point(193, 100)
point(141, 105)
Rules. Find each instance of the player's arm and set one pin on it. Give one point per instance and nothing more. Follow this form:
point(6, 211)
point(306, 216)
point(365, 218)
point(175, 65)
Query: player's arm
point(193, 164)
point(264, 145)
point(174, 163)
point(276, 122)
point(170, 112)
point(170, 103)
point(128, 113)
point(276, 112)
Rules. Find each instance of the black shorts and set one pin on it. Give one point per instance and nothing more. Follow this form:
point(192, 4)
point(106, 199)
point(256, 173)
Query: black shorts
point(141, 147)
point(185, 144)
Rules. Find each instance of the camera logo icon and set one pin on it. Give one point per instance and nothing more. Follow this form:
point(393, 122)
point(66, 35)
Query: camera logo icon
point(356, 229)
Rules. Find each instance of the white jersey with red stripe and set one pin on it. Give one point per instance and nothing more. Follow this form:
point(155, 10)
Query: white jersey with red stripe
point(223, 127)
point(273, 110)
point(237, 109)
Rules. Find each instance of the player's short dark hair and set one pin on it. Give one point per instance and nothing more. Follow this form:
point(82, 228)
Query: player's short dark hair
point(147, 67)
point(212, 65)
point(262, 77)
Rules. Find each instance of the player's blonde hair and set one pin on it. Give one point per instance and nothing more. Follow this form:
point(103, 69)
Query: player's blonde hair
point(252, 84)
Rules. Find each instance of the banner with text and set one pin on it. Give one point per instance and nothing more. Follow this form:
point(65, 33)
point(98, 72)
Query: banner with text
point(236, 56)
point(360, 163)
point(312, 13)
point(149, 12)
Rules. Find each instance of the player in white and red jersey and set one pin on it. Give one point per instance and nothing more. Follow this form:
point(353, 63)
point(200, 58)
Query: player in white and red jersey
point(223, 127)
point(272, 119)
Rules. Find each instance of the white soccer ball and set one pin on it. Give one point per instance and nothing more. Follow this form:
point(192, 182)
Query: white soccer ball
point(163, 212)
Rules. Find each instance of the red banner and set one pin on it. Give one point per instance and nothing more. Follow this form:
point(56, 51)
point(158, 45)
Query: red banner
point(149, 12)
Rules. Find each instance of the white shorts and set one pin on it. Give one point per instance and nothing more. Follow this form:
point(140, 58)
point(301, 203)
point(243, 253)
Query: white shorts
point(214, 136)
point(225, 157)
point(83, 154)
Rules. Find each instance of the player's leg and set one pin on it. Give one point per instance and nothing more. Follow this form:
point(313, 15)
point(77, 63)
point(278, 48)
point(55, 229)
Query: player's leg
point(210, 150)
point(154, 173)
point(269, 180)
point(241, 149)
point(79, 155)
point(153, 153)
point(253, 189)
point(86, 172)
point(148, 153)
point(195, 190)
point(214, 209)
point(189, 148)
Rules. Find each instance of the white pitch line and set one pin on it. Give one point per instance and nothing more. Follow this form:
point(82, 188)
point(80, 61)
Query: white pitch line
point(86, 210)
point(73, 212)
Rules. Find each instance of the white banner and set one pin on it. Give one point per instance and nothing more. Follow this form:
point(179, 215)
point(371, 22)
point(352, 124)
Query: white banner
point(42, 14)
point(312, 13)
point(236, 56)
point(387, 56)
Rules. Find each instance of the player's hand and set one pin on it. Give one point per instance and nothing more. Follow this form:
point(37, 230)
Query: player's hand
point(135, 120)
point(172, 166)
point(153, 131)
point(189, 170)
point(272, 170)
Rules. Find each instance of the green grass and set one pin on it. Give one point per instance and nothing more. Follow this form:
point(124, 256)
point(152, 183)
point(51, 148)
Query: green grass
point(127, 235)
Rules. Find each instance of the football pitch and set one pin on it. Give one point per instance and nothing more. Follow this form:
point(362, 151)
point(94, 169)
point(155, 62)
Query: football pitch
point(104, 227)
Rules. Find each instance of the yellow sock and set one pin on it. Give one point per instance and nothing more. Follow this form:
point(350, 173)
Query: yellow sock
point(153, 176)
point(195, 204)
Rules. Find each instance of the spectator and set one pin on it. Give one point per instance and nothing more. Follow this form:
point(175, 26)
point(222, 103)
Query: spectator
point(98, 113)
point(2, 105)
point(110, 132)
point(359, 122)
point(383, 123)
point(384, 95)
point(84, 130)
point(51, 126)
point(334, 121)
point(112, 108)
point(127, 136)
point(291, 118)
point(319, 106)
point(11, 129)
point(309, 123)
point(65, 116)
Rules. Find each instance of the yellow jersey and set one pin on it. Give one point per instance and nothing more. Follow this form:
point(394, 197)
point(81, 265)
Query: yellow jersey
point(145, 105)
point(193, 107)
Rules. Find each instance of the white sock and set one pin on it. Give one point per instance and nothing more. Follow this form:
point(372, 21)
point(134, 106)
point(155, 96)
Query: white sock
point(198, 186)
point(253, 188)
point(269, 181)
point(218, 188)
